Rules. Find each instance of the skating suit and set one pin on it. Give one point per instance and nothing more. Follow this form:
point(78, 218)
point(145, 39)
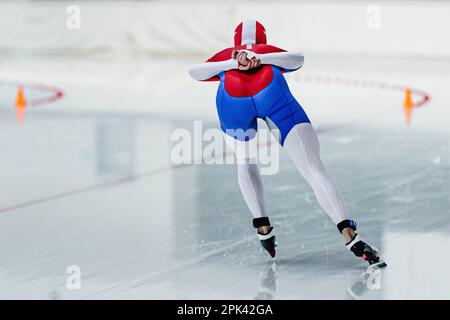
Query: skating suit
point(244, 96)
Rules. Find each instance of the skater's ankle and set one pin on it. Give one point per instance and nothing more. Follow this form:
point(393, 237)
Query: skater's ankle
point(349, 234)
point(264, 229)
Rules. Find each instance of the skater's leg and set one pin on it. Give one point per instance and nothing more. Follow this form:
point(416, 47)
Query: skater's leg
point(300, 140)
point(251, 186)
point(249, 178)
point(250, 183)
point(303, 147)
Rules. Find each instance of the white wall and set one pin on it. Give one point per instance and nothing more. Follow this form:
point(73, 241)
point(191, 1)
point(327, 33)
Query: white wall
point(418, 28)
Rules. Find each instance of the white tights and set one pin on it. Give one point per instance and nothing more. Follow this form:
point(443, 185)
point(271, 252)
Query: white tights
point(303, 147)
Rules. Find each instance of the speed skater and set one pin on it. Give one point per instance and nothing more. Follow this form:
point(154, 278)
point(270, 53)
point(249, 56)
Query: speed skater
point(251, 87)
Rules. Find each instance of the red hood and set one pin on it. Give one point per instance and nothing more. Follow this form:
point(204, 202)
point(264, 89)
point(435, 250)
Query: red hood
point(249, 32)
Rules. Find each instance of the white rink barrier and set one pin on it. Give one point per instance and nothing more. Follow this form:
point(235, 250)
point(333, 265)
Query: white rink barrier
point(390, 28)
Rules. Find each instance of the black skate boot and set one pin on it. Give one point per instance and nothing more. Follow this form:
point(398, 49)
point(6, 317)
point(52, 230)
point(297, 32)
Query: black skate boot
point(366, 253)
point(360, 248)
point(268, 239)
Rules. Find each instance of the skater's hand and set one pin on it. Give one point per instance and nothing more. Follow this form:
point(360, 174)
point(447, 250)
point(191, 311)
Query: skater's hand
point(244, 62)
point(240, 56)
point(251, 64)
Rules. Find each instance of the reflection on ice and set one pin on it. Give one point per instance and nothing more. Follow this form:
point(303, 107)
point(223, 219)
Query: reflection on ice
point(115, 145)
point(268, 286)
point(369, 280)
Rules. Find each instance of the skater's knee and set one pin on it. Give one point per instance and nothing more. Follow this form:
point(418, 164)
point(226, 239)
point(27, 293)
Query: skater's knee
point(314, 166)
point(247, 166)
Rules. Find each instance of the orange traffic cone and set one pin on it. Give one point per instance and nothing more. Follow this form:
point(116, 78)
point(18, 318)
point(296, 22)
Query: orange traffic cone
point(21, 102)
point(408, 106)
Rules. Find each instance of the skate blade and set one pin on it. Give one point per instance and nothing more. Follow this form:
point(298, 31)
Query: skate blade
point(377, 266)
point(271, 254)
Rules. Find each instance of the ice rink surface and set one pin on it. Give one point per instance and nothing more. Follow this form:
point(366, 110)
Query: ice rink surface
point(88, 181)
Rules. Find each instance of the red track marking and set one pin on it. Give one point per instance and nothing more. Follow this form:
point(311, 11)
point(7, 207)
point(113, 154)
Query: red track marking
point(363, 83)
point(56, 93)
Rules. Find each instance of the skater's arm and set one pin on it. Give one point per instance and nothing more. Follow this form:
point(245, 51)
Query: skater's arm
point(207, 70)
point(285, 60)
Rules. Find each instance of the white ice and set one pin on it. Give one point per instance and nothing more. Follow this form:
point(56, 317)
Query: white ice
point(88, 181)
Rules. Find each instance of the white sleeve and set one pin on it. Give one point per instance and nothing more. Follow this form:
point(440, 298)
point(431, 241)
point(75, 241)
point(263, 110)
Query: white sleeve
point(285, 60)
point(204, 71)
